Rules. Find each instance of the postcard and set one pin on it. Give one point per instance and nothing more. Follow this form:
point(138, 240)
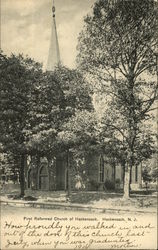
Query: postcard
point(78, 115)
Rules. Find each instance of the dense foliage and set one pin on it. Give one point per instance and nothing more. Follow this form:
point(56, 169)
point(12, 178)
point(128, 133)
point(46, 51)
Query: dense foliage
point(39, 108)
point(117, 53)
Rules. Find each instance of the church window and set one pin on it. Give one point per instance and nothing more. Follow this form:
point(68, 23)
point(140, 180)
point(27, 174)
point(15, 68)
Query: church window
point(101, 169)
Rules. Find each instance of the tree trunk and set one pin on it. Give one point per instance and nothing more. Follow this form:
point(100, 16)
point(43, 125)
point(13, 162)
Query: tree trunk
point(68, 175)
point(126, 194)
point(22, 176)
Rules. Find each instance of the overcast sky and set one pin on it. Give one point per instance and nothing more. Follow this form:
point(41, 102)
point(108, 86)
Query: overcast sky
point(26, 27)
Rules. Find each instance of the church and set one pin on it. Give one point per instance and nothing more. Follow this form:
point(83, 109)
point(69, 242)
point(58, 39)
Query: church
point(93, 173)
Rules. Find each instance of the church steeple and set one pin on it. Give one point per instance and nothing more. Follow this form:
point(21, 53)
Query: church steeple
point(54, 53)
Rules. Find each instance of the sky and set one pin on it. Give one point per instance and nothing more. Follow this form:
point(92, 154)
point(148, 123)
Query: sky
point(26, 27)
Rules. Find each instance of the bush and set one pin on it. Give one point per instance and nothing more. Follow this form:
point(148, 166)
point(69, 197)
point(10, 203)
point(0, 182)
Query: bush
point(19, 197)
point(94, 185)
point(118, 181)
point(30, 198)
point(109, 185)
point(146, 175)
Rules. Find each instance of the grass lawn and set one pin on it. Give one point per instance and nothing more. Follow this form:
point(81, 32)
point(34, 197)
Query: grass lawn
point(114, 199)
point(139, 199)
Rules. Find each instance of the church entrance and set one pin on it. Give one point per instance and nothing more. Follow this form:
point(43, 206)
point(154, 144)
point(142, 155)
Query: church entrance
point(43, 179)
point(60, 174)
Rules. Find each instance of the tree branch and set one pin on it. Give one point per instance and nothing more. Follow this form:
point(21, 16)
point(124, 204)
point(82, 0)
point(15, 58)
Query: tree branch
point(142, 70)
point(118, 129)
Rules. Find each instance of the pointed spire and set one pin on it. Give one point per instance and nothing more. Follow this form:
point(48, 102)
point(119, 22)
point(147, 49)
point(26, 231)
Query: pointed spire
point(54, 53)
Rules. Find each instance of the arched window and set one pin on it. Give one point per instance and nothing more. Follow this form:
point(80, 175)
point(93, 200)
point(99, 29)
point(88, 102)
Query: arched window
point(101, 169)
point(43, 178)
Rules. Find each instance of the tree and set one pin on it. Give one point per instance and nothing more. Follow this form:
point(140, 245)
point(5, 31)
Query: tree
point(45, 116)
point(77, 136)
point(54, 99)
point(153, 167)
point(76, 100)
point(155, 173)
point(54, 102)
point(116, 50)
point(9, 167)
point(146, 175)
point(18, 75)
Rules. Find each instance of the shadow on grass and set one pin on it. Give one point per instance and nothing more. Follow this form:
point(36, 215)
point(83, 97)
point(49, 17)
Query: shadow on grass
point(86, 197)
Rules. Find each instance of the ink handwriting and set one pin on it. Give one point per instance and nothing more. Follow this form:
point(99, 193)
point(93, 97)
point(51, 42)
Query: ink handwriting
point(64, 233)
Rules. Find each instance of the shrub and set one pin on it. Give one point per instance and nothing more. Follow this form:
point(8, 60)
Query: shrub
point(118, 181)
point(109, 185)
point(30, 198)
point(94, 185)
point(146, 175)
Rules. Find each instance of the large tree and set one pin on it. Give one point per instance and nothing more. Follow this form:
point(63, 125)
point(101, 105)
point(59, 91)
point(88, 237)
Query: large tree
point(76, 103)
point(55, 101)
point(18, 75)
point(57, 97)
point(117, 52)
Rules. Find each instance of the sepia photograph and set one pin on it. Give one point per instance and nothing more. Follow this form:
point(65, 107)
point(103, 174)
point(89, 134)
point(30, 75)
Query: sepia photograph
point(78, 124)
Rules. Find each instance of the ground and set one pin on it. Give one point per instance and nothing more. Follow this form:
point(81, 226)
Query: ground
point(87, 220)
point(138, 200)
point(33, 228)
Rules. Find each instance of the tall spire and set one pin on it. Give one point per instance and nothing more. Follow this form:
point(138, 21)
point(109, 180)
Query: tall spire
point(54, 53)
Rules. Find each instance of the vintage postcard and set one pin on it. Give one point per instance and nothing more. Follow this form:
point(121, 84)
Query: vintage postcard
point(78, 124)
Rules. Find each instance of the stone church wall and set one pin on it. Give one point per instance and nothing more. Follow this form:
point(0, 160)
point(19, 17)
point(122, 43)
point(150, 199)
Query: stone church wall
point(52, 174)
point(84, 174)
